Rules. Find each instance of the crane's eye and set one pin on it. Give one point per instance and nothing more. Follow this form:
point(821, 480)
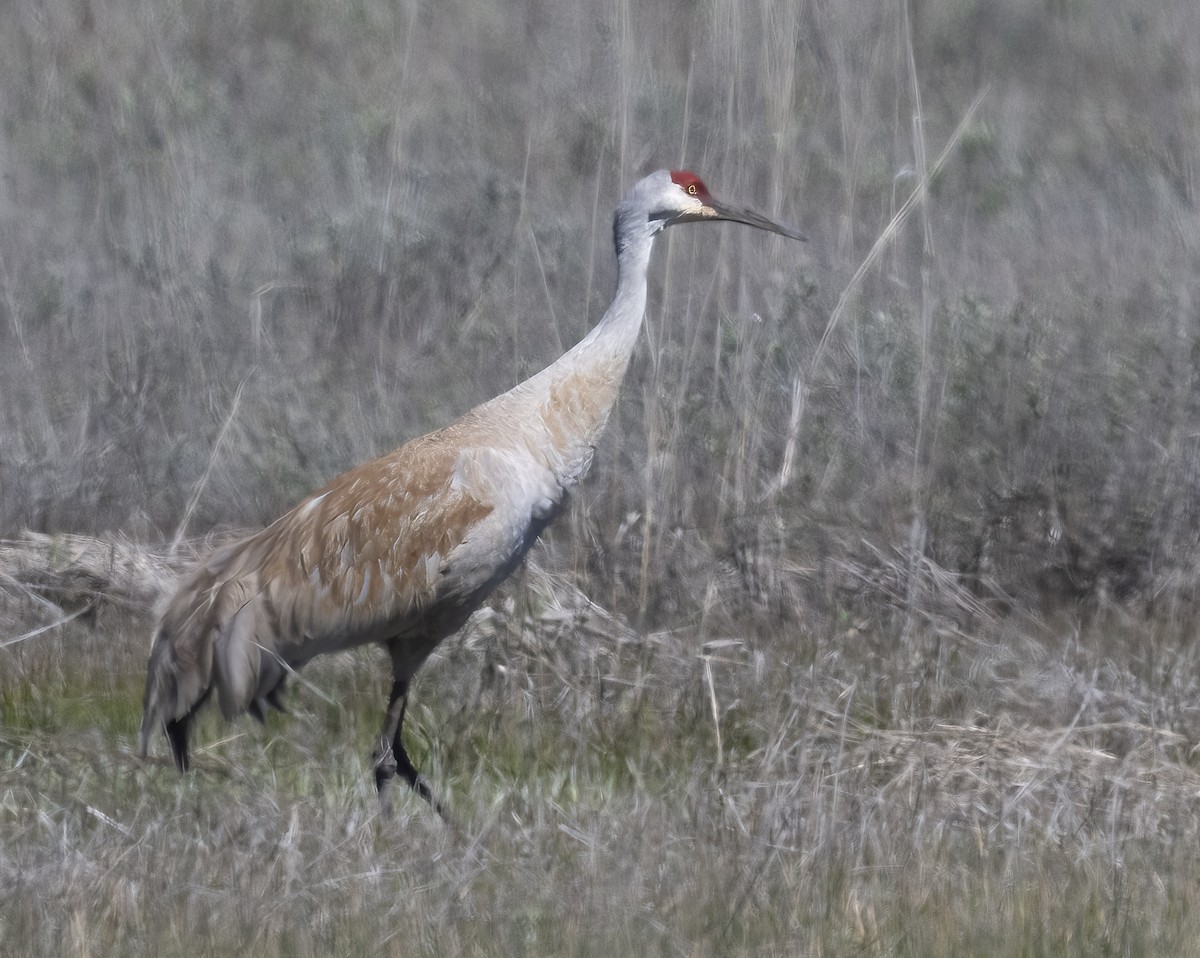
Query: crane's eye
point(692, 189)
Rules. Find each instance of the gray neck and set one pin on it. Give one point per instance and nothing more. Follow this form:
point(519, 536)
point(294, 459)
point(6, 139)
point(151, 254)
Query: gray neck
point(617, 332)
point(581, 386)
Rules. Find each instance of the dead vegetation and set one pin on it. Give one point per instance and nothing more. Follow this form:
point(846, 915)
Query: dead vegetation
point(775, 774)
point(700, 790)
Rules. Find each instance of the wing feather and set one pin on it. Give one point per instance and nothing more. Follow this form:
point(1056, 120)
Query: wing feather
point(398, 550)
point(359, 561)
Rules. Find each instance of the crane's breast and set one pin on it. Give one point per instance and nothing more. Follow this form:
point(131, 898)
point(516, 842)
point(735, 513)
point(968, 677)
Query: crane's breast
point(524, 495)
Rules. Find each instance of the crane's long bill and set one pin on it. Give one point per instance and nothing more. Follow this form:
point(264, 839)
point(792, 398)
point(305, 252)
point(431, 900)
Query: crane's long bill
point(738, 214)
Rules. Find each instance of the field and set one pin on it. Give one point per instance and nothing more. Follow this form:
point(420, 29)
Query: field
point(872, 629)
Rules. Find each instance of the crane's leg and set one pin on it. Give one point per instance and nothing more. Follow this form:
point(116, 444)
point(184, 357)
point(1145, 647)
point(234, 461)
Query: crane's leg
point(390, 756)
point(177, 735)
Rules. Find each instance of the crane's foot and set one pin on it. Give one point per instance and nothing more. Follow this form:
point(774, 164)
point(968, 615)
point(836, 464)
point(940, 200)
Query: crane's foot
point(388, 764)
point(390, 759)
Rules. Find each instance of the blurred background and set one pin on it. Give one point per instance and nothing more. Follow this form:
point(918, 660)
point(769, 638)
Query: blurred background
point(326, 227)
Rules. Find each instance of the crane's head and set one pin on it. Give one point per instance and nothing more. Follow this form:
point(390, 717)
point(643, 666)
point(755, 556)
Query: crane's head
point(668, 197)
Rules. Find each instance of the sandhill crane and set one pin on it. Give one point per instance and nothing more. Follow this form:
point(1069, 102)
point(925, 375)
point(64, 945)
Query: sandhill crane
point(400, 551)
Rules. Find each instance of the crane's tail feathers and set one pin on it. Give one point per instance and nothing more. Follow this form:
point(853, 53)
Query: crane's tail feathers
point(214, 637)
point(159, 689)
point(171, 699)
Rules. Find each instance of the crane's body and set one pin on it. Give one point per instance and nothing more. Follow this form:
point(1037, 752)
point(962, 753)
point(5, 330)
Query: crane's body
point(401, 550)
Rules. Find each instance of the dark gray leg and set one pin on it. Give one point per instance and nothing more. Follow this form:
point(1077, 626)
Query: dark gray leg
point(390, 757)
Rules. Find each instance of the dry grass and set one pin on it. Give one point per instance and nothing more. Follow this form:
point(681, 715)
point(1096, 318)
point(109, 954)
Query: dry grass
point(1006, 788)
